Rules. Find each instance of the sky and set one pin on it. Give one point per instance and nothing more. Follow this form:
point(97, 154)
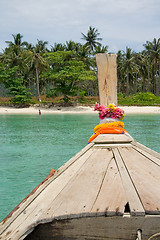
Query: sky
point(121, 23)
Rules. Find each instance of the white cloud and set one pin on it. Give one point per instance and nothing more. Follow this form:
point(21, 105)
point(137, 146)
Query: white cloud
point(120, 22)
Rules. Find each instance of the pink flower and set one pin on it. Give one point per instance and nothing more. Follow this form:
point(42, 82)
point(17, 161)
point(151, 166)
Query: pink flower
point(101, 117)
point(102, 108)
point(96, 107)
point(114, 116)
point(102, 113)
point(110, 112)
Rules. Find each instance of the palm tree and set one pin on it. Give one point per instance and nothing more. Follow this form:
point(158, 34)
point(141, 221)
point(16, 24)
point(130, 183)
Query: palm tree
point(92, 38)
point(82, 54)
point(12, 54)
point(17, 44)
point(57, 47)
point(120, 72)
point(141, 63)
point(128, 67)
point(153, 50)
point(71, 46)
point(35, 61)
point(41, 46)
point(17, 40)
point(101, 49)
point(28, 46)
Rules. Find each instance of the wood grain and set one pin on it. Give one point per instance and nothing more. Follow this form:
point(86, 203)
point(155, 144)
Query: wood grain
point(145, 175)
point(134, 202)
point(107, 78)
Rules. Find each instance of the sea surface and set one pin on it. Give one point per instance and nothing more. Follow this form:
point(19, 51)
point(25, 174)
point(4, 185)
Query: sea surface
point(32, 145)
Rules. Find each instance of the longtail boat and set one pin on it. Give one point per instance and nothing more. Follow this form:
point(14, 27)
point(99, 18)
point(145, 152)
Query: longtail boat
point(109, 190)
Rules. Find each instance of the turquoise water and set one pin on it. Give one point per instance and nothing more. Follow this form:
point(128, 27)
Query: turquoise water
point(31, 145)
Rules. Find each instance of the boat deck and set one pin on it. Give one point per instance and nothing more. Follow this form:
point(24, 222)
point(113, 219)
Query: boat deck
point(108, 190)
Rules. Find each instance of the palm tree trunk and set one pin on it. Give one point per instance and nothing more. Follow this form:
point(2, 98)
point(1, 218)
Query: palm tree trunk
point(143, 84)
point(155, 76)
point(135, 86)
point(77, 95)
point(37, 81)
point(127, 87)
point(148, 79)
point(158, 81)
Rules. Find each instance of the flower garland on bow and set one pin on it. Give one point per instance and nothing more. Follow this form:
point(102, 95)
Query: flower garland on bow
point(110, 112)
point(111, 124)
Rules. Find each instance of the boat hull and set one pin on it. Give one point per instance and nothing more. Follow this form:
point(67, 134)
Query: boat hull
point(102, 227)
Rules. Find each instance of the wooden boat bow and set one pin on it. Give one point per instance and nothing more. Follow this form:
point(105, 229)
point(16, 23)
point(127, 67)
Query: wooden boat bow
point(113, 183)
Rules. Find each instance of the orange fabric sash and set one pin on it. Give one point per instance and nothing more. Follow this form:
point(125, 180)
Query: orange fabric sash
point(107, 130)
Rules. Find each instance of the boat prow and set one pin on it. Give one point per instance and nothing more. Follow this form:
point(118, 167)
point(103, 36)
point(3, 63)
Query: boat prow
point(109, 190)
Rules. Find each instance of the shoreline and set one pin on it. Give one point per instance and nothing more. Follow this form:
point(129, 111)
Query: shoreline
point(77, 110)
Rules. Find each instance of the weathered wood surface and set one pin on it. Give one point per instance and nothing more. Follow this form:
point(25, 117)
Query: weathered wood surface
point(145, 175)
point(134, 201)
point(97, 228)
point(113, 181)
point(107, 202)
point(113, 138)
point(107, 78)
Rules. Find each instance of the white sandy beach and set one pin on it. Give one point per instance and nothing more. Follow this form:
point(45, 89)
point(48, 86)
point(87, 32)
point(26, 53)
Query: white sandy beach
point(77, 109)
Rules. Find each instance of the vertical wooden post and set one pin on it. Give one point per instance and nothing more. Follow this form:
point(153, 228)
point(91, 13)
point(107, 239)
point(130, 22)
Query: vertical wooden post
point(107, 78)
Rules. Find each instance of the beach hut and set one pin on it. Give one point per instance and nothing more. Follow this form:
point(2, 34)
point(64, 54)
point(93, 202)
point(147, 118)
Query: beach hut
point(109, 190)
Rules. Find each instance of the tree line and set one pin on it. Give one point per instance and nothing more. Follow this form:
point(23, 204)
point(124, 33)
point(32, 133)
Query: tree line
point(70, 69)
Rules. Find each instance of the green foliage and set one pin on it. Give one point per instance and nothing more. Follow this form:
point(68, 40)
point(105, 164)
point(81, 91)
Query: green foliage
point(15, 84)
point(146, 96)
point(141, 99)
point(6, 74)
point(71, 68)
point(19, 91)
point(51, 93)
point(12, 81)
point(80, 92)
point(66, 72)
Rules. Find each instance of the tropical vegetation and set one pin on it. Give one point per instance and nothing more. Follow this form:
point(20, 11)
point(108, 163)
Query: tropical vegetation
point(68, 71)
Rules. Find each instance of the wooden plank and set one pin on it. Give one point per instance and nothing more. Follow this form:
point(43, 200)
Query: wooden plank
point(111, 199)
point(146, 149)
point(111, 145)
point(107, 78)
point(112, 138)
point(32, 210)
point(79, 196)
point(147, 155)
point(146, 177)
point(135, 204)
